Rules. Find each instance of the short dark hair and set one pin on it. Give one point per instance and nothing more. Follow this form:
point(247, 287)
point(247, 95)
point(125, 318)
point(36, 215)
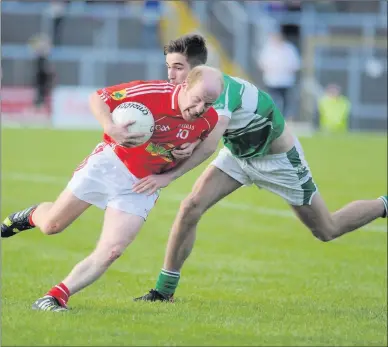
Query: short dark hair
point(192, 46)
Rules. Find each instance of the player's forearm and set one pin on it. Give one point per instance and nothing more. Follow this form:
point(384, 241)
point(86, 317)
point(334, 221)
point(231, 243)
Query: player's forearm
point(203, 151)
point(196, 143)
point(100, 110)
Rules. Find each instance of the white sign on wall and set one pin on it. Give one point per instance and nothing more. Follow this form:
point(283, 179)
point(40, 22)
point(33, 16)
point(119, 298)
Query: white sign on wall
point(70, 108)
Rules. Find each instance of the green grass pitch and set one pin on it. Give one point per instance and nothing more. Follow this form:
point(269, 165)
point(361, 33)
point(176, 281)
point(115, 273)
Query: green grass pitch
point(256, 276)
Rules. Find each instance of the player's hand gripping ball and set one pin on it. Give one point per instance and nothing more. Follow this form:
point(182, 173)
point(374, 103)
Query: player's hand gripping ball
point(135, 111)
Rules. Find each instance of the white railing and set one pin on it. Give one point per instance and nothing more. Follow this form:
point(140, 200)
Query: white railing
point(90, 59)
point(241, 28)
point(232, 15)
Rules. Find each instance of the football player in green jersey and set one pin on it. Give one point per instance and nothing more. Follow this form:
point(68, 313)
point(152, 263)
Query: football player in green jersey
point(258, 149)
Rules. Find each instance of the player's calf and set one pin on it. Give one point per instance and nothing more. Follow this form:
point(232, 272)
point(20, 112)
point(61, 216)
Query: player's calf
point(327, 226)
point(17, 222)
point(50, 227)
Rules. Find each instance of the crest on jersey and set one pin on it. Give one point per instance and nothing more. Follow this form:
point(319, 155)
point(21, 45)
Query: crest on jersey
point(119, 95)
point(162, 150)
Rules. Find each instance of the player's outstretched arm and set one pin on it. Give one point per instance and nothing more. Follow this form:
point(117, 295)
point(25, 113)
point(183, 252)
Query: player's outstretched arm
point(151, 184)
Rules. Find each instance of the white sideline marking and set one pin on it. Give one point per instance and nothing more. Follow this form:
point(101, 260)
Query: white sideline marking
point(38, 178)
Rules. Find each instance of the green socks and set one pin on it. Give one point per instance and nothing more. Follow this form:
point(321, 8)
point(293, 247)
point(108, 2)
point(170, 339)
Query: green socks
point(167, 282)
point(384, 199)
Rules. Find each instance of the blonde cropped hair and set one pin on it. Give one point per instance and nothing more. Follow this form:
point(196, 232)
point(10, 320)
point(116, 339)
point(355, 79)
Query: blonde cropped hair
point(197, 74)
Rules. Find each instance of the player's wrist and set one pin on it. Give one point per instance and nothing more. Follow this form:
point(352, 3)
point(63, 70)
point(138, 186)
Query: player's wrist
point(171, 175)
point(107, 126)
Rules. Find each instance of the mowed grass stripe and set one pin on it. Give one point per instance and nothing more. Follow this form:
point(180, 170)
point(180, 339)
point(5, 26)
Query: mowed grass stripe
point(38, 178)
point(253, 279)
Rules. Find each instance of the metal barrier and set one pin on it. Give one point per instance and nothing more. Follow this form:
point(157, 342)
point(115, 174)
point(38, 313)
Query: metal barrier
point(89, 63)
point(358, 68)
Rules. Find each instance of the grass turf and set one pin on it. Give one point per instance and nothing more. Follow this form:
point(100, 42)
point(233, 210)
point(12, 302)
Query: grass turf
point(256, 276)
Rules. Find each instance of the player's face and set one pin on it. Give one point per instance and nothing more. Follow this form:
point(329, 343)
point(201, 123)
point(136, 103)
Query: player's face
point(177, 67)
point(197, 100)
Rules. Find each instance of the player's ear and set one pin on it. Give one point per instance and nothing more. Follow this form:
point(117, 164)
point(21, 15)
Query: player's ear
point(184, 85)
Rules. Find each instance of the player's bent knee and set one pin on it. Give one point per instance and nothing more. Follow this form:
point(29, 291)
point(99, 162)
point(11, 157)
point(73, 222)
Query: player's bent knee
point(323, 234)
point(323, 237)
point(191, 207)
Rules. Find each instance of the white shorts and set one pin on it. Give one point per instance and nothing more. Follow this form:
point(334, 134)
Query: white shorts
point(287, 174)
point(103, 180)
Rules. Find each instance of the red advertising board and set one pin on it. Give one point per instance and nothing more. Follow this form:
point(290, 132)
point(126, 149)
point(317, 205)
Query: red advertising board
point(18, 108)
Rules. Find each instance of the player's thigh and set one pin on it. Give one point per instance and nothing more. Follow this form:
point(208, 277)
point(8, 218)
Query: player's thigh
point(95, 177)
point(125, 214)
point(66, 208)
point(212, 186)
point(287, 175)
point(119, 230)
point(233, 168)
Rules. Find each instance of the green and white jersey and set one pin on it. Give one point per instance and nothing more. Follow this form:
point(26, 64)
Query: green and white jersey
point(255, 121)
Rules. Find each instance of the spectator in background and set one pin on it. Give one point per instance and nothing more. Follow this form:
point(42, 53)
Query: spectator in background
point(279, 61)
point(41, 46)
point(334, 109)
point(151, 19)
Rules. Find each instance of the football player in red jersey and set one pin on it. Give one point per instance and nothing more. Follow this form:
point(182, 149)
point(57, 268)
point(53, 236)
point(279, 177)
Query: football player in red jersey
point(182, 114)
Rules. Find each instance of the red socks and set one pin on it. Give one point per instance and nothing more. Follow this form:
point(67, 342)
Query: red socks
point(61, 293)
point(30, 218)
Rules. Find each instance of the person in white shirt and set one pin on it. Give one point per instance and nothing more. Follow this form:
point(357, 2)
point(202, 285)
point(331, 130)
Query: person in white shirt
point(279, 61)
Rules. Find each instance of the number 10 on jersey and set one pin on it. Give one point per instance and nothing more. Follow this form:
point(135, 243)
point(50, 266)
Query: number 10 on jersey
point(182, 133)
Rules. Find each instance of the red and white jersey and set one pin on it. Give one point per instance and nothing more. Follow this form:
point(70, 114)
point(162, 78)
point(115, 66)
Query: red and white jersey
point(171, 130)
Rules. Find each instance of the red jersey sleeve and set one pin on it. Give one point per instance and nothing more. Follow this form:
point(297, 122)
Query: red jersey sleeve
point(115, 95)
point(211, 119)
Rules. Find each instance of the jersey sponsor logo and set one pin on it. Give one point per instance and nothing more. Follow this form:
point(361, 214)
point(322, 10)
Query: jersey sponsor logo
point(119, 95)
point(160, 127)
point(186, 126)
point(143, 109)
point(162, 150)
